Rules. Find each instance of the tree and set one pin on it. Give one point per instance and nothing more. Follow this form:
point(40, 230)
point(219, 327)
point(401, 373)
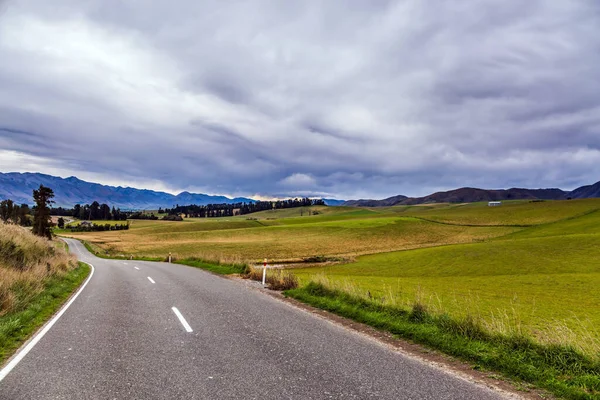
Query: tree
point(61, 223)
point(76, 210)
point(105, 212)
point(83, 212)
point(41, 214)
point(7, 211)
point(95, 211)
point(24, 215)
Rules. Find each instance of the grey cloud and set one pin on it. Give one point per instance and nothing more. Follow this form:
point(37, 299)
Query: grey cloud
point(340, 98)
point(16, 132)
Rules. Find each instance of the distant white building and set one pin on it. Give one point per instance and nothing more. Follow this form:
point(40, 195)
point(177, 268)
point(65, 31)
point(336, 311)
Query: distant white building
point(494, 203)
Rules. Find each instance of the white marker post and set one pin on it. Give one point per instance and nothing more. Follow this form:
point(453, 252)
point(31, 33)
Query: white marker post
point(265, 272)
point(169, 257)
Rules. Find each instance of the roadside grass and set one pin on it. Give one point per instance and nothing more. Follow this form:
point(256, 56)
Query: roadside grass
point(26, 261)
point(221, 267)
point(215, 267)
point(102, 253)
point(36, 276)
point(276, 279)
point(18, 325)
point(561, 369)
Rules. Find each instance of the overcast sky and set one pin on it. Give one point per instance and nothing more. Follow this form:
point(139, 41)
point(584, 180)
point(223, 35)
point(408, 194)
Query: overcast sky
point(343, 99)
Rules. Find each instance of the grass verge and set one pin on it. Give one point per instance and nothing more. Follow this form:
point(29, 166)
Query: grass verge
point(211, 266)
point(559, 369)
point(217, 268)
point(101, 253)
point(17, 326)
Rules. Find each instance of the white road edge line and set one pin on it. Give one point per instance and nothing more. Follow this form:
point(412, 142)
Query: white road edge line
point(136, 268)
point(187, 326)
point(151, 280)
point(23, 352)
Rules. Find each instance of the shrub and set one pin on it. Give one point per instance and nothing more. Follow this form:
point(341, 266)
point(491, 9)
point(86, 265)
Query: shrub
point(281, 280)
point(276, 279)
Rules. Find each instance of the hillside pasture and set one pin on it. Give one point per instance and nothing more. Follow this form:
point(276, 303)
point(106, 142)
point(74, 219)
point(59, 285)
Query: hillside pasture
point(291, 239)
point(515, 213)
point(544, 280)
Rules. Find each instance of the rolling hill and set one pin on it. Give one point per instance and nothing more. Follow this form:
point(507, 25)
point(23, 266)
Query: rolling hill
point(470, 195)
point(586, 192)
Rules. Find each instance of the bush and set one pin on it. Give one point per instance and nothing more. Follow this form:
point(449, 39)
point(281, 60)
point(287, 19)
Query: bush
point(281, 280)
point(276, 279)
point(172, 217)
point(98, 228)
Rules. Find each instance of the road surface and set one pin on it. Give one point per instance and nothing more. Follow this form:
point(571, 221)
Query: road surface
point(143, 330)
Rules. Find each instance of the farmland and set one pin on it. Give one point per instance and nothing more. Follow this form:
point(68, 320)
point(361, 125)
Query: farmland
point(526, 266)
point(340, 233)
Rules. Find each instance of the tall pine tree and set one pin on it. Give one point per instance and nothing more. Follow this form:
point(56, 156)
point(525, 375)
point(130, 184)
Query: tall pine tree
point(41, 215)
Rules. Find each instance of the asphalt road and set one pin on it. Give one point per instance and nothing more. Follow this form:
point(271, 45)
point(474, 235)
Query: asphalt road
point(122, 339)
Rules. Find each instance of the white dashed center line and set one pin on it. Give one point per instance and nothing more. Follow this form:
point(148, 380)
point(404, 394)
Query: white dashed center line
point(151, 280)
point(187, 326)
point(136, 268)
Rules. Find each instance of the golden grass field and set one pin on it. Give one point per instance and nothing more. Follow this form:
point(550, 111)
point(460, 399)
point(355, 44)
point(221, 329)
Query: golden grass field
point(342, 233)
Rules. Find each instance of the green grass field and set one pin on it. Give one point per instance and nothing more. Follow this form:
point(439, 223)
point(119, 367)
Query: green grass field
point(543, 279)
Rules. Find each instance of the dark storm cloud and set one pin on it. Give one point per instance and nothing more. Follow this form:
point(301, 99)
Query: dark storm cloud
point(339, 98)
point(16, 133)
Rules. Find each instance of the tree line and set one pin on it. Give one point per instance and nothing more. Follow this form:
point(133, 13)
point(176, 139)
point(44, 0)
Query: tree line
point(91, 212)
point(39, 219)
point(230, 210)
point(103, 212)
point(10, 212)
point(90, 227)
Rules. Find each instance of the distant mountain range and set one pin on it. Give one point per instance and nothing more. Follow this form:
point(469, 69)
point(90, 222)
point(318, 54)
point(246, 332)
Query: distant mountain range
point(470, 195)
point(70, 191)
